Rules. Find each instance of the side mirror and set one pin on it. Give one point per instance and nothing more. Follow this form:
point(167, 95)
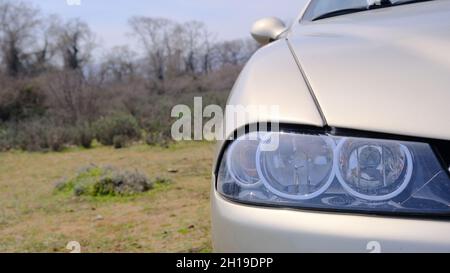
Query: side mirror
point(267, 30)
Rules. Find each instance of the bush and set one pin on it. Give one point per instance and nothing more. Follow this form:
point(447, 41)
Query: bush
point(40, 135)
point(21, 100)
point(83, 182)
point(84, 135)
point(160, 139)
point(6, 139)
point(120, 142)
point(96, 181)
point(43, 135)
point(122, 184)
point(56, 138)
point(119, 125)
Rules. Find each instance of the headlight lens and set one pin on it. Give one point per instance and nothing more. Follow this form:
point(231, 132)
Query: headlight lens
point(373, 170)
point(329, 172)
point(300, 169)
point(242, 164)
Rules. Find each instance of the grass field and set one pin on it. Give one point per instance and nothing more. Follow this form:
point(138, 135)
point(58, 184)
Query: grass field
point(170, 218)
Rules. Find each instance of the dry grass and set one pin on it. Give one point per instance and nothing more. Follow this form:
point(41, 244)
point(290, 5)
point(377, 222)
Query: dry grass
point(173, 218)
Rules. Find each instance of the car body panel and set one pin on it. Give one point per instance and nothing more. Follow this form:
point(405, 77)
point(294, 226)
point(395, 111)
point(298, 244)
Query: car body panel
point(387, 71)
point(241, 228)
point(272, 78)
point(391, 66)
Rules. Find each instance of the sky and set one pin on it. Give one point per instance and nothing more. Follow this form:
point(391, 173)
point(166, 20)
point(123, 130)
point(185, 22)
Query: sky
point(229, 19)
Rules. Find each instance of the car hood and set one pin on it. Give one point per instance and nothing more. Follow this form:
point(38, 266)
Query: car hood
point(385, 70)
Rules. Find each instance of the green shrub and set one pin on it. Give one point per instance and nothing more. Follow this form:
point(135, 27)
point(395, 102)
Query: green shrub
point(56, 138)
point(96, 181)
point(44, 135)
point(153, 139)
point(6, 139)
point(122, 184)
point(160, 139)
point(84, 136)
point(122, 125)
point(41, 135)
point(120, 141)
point(82, 183)
point(23, 100)
point(80, 190)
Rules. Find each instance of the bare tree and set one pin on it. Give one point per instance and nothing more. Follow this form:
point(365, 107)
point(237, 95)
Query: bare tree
point(192, 36)
point(250, 47)
point(153, 36)
point(230, 52)
point(40, 60)
point(175, 50)
point(18, 22)
point(235, 52)
point(207, 52)
point(119, 64)
point(71, 97)
point(75, 43)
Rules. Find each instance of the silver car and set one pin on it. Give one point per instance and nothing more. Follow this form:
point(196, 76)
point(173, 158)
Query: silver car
point(362, 154)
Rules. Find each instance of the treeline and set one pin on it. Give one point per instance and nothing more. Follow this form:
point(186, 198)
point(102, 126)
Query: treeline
point(55, 92)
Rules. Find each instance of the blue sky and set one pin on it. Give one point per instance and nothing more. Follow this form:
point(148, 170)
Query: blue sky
point(228, 18)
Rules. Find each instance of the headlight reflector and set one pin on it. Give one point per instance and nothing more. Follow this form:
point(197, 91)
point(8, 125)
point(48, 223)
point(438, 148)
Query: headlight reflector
point(373, 170)
point(337, 173)
point(300, 169)
point(242, 164)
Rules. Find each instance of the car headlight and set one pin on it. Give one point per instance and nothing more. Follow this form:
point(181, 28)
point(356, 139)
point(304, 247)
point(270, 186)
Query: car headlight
point(334, 173)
